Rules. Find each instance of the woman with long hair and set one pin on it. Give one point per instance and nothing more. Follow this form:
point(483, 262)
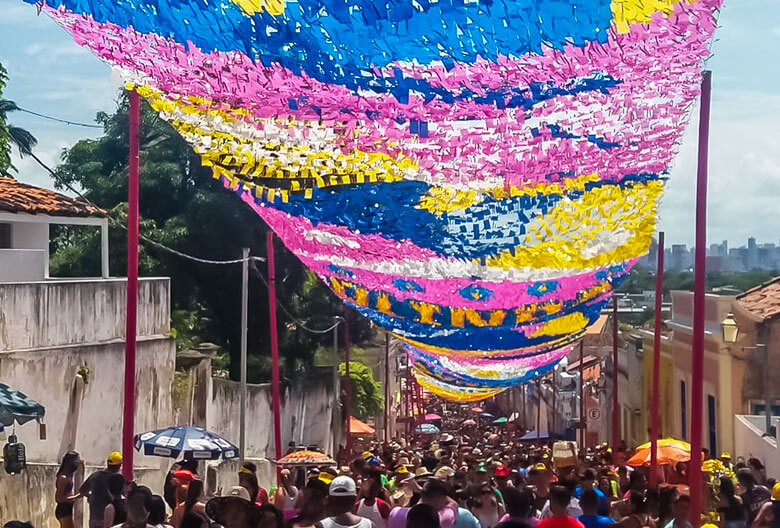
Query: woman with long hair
point(63, 491)
point(193, 503)
point(730, 507)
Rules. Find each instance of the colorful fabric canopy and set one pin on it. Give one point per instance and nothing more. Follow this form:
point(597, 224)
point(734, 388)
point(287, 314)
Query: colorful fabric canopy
point(358, 427)
point(305, 458)
point(476, 177)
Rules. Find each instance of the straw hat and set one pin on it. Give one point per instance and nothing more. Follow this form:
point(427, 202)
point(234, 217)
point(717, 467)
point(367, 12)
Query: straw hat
point(237, 497)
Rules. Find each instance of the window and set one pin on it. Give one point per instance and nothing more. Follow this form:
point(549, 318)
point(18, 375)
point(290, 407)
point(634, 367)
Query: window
point(712, 421)
point(5, 236)
point(683, 420)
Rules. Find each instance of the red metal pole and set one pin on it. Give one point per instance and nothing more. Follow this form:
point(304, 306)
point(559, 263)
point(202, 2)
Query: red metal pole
point(387, 382)
point(699, 285)
point(554, 423)
point(583, 422)
point(275, 399)
point(615, 378)
point(128, 418)
point(347, 382)
point(654, 415)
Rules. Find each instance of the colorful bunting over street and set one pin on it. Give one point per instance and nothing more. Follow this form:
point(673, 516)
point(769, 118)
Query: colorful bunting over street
point(475, 176)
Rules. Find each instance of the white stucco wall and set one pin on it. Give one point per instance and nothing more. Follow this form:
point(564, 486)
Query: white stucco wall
point(749, 442)
point(50, 330)
point(22, 265)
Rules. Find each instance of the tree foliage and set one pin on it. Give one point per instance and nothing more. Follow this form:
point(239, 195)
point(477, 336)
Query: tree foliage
point(184, 208)
point(641, 279)
point(366, 392)
point(10, 135)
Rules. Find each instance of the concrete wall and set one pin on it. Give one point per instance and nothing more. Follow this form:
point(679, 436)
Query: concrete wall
point(62, 343)
point(750, 442)
point(22, 265)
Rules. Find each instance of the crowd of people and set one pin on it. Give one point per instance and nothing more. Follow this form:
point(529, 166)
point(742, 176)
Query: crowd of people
point(469, 478)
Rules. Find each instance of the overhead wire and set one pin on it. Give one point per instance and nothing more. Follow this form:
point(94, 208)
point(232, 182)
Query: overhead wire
point(57, 119)
point(251, 259)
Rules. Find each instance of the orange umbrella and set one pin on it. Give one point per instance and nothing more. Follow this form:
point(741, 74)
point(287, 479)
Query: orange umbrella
point(358, 427)
point(668, 455)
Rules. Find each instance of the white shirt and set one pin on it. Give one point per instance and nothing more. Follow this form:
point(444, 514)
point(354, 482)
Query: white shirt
point(574, 509)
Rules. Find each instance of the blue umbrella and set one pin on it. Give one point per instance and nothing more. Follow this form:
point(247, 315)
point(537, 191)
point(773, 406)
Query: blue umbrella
point(427, 428)
point(486, 415)
point(192, 442)
point(16, 407)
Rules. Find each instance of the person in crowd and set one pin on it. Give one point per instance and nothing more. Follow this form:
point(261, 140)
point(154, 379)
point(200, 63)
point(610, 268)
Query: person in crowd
point(638, 512)
point(589, 482)
point(193, 502)
point(311, 506)
point(139, 505)
point(667, 496)
point(433, 493)
point(769, 514)
point(369, 505)
point(195, 520)
point(286, 495)
point(63, 491)
point(115, 511)
point(590, 502)
point(560, 498)
point(342, 495)
point(234, 510)
point(158, 516)
point(682, 512)
point(574, 504)
point(423, 516)
point(732, 511)
point(247, 477)
point(95, 489)
point(172, 483)
point(519, 509)
point(753, 495)
point(485, 507)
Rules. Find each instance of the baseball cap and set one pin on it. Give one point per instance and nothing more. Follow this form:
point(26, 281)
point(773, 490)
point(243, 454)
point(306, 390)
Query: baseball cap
point(502, 471)
point(184, 476)
point(402, 470)
point(540, 467)
point(327, 475)
point(115, 458)
point(342, 486)
point(367, 455)
point(725, 455)
point(481, 468)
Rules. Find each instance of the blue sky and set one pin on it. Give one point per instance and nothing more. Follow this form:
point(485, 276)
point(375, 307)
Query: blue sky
point(52, 75)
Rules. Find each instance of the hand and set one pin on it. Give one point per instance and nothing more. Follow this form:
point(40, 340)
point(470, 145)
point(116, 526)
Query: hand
point(412, 484)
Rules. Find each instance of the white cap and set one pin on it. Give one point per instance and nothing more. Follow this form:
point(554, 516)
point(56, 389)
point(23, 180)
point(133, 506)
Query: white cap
point(342, 486)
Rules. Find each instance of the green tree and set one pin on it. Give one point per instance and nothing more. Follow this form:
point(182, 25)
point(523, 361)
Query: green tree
point(184, 208)
point(366, 392)
point(10, 135)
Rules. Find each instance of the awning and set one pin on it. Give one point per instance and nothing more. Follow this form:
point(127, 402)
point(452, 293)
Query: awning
point(16, 407)
point(358, 427)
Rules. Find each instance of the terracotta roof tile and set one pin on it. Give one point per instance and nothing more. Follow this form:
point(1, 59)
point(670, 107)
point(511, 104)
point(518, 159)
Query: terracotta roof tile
point(763, 300)
point(17, 197)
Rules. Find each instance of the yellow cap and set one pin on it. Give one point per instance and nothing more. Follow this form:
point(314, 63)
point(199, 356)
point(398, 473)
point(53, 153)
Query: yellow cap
point(326, 476)
point(367, 455)
point(609, 450)
point(115, 458)
point(776, 492)
point(725, 455)
point(402, 470)
point(540, 467)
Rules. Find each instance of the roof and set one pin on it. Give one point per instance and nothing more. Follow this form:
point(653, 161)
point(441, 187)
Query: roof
point(18, 197)
point(762, 300)
point(598, 326)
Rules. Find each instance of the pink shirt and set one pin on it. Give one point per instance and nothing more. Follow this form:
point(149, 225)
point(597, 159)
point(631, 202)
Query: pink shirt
point(398, 518)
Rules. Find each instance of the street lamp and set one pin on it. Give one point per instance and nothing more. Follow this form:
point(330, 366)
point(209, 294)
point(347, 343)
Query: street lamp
point(730, 332)
point(729, 328)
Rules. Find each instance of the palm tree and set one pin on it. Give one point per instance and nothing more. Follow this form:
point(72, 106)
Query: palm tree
point(14, 135)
